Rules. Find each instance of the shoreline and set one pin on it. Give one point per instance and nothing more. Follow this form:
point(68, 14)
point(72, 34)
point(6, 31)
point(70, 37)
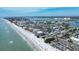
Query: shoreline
point(22, 36)
point(36, 43)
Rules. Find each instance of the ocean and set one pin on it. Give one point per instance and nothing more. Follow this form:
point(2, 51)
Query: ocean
point(10, 40)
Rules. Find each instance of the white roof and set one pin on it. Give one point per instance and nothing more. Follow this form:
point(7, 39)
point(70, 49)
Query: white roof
point(76, 39)
point(39, 32)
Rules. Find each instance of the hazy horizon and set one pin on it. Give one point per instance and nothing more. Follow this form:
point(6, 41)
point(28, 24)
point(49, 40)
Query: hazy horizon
point(38, 11)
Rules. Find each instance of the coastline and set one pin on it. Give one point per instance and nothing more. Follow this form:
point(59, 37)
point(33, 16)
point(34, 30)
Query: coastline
point(36, 43)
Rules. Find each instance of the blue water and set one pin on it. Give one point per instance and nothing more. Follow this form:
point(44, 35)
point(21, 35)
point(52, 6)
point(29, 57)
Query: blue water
point(75, 23)
point(10, 40)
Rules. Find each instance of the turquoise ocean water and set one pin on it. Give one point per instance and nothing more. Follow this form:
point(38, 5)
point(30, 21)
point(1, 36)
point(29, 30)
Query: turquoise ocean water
point(10, 40)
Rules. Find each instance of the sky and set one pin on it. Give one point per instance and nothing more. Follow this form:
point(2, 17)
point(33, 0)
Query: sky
point(39, 11)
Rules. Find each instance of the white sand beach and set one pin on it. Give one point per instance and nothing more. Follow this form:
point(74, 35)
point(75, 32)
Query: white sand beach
point(31, 39)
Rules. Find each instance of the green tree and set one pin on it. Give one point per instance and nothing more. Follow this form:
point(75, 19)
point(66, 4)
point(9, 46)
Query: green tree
point(49, 40)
